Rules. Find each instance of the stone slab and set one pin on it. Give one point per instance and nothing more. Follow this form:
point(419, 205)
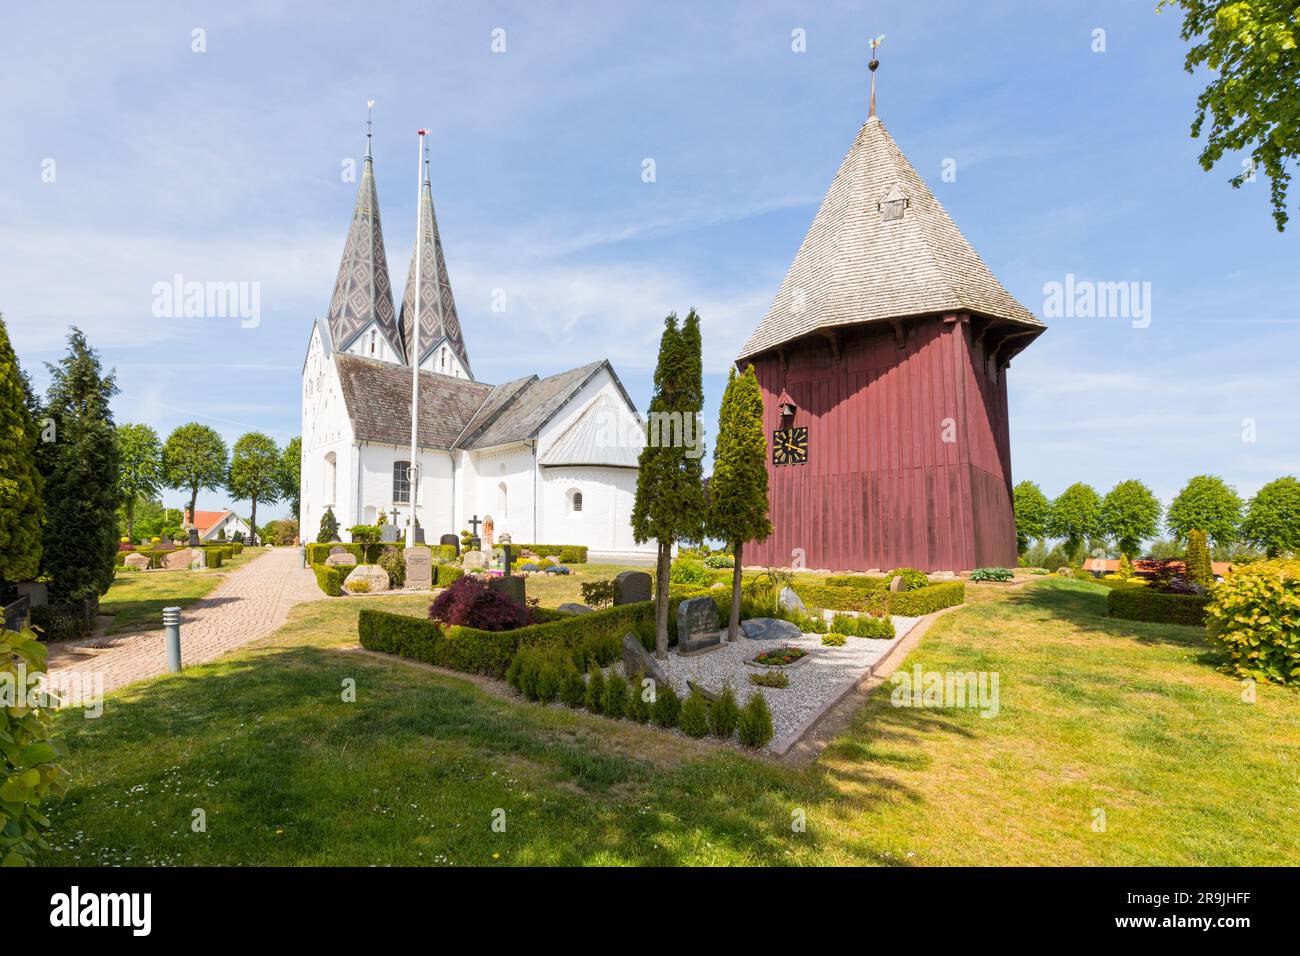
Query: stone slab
point(631, 587)
point(419, 568)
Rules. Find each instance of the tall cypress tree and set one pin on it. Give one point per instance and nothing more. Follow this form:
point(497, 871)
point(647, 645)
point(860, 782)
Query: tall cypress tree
point(670, 503)
point(738, 488)
point(21, 505)
point(80, 468)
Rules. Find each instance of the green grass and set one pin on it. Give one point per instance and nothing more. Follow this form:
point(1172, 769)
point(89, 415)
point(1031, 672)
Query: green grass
point(552, 590)
point(136, 598)
point(1095, 714)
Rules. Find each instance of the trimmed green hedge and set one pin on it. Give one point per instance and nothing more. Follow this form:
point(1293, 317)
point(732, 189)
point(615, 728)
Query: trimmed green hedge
point(564, 553)
point(1144, 604)
point(445, 574)
point(830, 598)
point(857, 581)
point(927, 600)
point(330, 579)
point(365, 554)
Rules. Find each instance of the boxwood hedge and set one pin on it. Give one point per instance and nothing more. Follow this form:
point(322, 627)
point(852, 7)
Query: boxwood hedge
point(1157, 607)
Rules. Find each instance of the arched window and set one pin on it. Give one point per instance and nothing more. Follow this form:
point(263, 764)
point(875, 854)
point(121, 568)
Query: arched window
point(331, 478)
point(501, 500)
point(401, 482)
point(575, 500)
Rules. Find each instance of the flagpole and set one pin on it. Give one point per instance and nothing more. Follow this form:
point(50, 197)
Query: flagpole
point(412, 473)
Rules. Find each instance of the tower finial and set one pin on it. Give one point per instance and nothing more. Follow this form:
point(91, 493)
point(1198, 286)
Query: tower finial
point(426, 161)
point(873, 66)
point(370, 124)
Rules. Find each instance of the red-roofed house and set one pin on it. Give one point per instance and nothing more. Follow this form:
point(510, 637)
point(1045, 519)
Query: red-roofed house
point(212, 523)
point(1111, 565)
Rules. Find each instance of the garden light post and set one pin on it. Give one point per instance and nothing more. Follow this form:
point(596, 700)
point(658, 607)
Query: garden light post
point(172, 624)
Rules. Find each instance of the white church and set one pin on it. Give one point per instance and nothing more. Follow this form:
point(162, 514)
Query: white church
point(548, 460)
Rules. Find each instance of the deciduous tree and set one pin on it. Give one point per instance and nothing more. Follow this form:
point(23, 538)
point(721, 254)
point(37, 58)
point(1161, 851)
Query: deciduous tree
point(1033, 511)
point(291, 474)
point(1130, 514)
point(256, 473)
point(1076, 517)
point(194, 457)
point(141, 473)
point(1206, 503)
point(1273, 518)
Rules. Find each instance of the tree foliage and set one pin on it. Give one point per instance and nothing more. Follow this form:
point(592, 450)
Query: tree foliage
point(1197, 563)
point(738, 487)
point(194, 457)
point(1273, 518)
point(670, 503)
point(1033, 512)
point(1250, 47)
point(1206, 503)
point(141, 473)
point(81, 473)
point(21, 507)
point(1130, 514)
point(256, 473)
point(1076, 517)
point(291, 475)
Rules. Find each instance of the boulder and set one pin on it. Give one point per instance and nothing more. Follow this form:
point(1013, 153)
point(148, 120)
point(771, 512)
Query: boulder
point(341, 559)
point(178, 560)
point(769, 629)
point(473, 560)
point(372, 573)
point(637, 661)
point(136, 560)
point(791, 602)
point(897, 583)
point(571, 608)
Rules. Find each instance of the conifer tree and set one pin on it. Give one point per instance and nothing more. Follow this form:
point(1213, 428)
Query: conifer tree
point(21, 507)
point(1197, 563)
point(670, 503)
point(738, 488)
point(81, 471)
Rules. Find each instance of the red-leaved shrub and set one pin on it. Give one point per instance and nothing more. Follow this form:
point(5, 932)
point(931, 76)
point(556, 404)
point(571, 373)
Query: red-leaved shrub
point(469, 602)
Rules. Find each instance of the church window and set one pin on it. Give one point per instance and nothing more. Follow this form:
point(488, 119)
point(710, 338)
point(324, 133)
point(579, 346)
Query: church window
point(401, 482)
point(331, 478)
point(373, 338)
point(444, 358)
point(892, 206)
point(575, 499)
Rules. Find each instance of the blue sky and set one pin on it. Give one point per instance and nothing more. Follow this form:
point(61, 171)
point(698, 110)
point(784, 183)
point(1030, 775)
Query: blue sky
point(225, 165)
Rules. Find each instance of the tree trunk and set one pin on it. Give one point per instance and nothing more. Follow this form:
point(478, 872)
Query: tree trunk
point(252, 520)
point(194, 501)
point(733, 624)
point(663, 570)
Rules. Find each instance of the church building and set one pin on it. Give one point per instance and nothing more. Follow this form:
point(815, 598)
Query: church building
point(883, 365)
point(547, 460)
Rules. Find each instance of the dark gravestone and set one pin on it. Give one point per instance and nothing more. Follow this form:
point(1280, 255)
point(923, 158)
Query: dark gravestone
point(631, 587)
point(697, 625)
point(638, 662)
point(453, 540)
point(512, 586)
point(194, 537)
point(419, 536)
point(388, 534)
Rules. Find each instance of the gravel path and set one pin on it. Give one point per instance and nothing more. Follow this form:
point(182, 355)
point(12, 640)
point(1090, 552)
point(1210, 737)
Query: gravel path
point(815, 683)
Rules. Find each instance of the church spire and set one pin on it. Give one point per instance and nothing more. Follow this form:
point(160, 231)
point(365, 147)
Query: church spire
point(439, 323)
point(363, 292)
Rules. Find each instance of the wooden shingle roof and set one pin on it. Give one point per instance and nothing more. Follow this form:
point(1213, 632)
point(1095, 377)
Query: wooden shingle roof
point(880, 247)
point(378, 398)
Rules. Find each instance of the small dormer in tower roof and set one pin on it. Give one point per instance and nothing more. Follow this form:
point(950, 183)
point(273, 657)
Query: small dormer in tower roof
point(439, 323)
point(363, 292)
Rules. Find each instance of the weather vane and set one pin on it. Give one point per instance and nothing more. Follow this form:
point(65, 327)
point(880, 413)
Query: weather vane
point(873, 66)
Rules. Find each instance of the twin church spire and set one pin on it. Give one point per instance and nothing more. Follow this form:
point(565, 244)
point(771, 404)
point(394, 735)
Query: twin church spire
point(363, 295)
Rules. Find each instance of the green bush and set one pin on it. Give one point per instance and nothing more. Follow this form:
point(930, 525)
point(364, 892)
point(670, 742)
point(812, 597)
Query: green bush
point(1144, 604)
point(844, 598)
point(992, 574)
point(863, 581)
point(598, 593)
point(615, 700)
point(1197, 563)
point(1255, 617)
point(667, 707)
point(690, 573)
point(719, 560)
point(329, 578)
point(770, 679)
point(694, 717)
point(445, 575)
point(724, 714)
point(755, 724)
point(573, 554)
point(573, 689)
point(365, 554)
point(638, 708)
point(912, 578)
point(549, 681)
point(927, 600)
point(864, 625)
point(594, 699)
point(834, 640)
point(393, 561)
point(564, 553)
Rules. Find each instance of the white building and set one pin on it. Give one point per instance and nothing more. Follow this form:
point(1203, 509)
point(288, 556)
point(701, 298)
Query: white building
point(548, 460)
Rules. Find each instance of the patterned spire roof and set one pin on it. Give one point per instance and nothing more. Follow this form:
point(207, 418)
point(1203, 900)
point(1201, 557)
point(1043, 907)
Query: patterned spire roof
point(880, 247)
point(439, 323)
point(363, 290)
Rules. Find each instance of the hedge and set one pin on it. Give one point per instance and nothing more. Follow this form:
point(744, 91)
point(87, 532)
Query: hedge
point(927, 600)
point(365, 554)
point(1255, 618)
point(857, 581)
point(830, 598)
point(445, 574)
point(1144, 604)
point(217, 554)
point(330, 579)
point(564, 553)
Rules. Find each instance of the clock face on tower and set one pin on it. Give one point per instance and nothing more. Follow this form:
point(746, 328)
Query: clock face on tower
point(790, 446)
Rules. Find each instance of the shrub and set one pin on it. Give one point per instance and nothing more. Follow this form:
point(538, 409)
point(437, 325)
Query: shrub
point(862, 626)
point(834, 640)
point(912, 578)
point(689, 572)
point(329, 578)
point(1255, 617)
point(394, 562)
point(724, 714)
point(447, 575)
point(755, 724)
point(770, 679)
point(598, 593)
point(1148, 604)
point(1199, 569)
point(565, 553)
point(594, 698)
point(573, 689)
point(694, 717)
point(867, 600)
point(927, 600)
point(638, 707)
point(615, 700)
point(329, 526)
point(549, 681)
point(720, 560)
point(857, 581)
point(364, 533)
point(572, 554)
point(992, 574)
point(359, 586)
point(667, 707)
point(471, 603)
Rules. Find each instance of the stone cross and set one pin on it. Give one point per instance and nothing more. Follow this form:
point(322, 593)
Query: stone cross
point(474, 523)
point(394, 514)
point(506, 550)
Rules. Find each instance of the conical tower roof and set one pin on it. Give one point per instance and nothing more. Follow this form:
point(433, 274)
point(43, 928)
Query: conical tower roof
point(363, 290)
point(881, 247)
point(439, 323)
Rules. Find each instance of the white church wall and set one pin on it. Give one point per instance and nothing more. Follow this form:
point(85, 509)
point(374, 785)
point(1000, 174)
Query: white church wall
point(444, 361)
point(602, 383)
point(327, 449)
point(433, 497)
point(500, 483)
point(371, 343)
point(604, 521)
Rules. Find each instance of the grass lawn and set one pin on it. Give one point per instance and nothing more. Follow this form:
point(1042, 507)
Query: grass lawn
point(1096, 714)
point(552, 590)
point(136, 598)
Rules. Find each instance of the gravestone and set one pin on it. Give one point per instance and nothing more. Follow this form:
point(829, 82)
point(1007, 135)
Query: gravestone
point(897, 583)
point(372, 573)
point(697, 625)
point(631, 587)
point(388, 534)
point(489, 526)
point(38, 592)
point(200, 559)
point(569, 607)
point(341, 559)
point(178, 560)
point(512, 587)
point(791, 601)
point(339, 549)
point(638, 662)
point(474, 560)
point(769, 629)
point(136, 560)
point(451, 539)
point(194, 537)
point(166, 541)
point(419, 568)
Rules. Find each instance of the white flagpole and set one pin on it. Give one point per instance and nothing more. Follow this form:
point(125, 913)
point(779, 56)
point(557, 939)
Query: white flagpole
point(413, 470)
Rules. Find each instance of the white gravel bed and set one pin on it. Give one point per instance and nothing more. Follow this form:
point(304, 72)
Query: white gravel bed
point(813, 685)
